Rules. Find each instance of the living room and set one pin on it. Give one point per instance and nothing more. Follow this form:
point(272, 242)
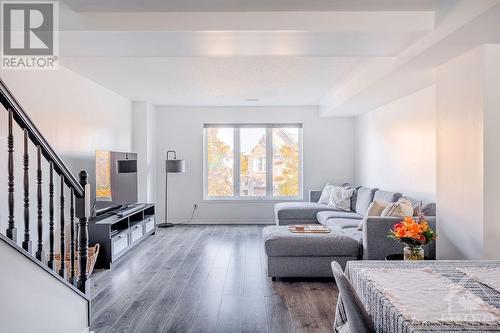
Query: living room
point(260, 111)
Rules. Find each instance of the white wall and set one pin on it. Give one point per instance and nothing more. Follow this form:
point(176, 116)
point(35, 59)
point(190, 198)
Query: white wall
point(460, 157)
point(395, 146)
point(75, 115)
point(468, 185)
point(491, 147)
point(441, 143)
point(144, 144)
point(34, 301)
point(327, 146)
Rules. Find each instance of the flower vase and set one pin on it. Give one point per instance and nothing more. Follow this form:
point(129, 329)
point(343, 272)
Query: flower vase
point(413, 252)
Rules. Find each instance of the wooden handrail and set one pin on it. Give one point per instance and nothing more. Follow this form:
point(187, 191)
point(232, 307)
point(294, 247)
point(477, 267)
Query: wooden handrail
point(80, 195)
point(20, 116)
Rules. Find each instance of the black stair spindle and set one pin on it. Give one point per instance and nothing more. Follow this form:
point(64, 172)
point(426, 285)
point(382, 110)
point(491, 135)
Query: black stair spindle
point(83, 241)
point(27, 242)
point(40, 255)
point(11, 231)
point(62, 270)
point(79, 210)
point(77, 228)
point(51, 262)
point(72, 238)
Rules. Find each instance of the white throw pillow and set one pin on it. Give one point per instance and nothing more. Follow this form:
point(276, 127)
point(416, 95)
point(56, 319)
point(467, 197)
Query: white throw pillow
point(326, 194)
point(340, 198)
point(375, 209)
point(401, 208)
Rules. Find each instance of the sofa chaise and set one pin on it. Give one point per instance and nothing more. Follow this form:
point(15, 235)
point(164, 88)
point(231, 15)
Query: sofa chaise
point(306, 255)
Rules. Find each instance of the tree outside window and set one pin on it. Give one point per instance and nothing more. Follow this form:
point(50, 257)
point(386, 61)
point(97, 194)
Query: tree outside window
point(250, 175)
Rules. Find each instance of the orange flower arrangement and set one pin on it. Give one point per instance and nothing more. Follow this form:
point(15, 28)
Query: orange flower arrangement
point(413, 233)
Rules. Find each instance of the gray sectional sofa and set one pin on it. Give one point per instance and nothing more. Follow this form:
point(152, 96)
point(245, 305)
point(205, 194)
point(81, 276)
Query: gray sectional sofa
point(307, 255)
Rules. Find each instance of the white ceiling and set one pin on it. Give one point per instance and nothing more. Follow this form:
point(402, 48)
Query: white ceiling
point(249, 5)
point(225, 58)
point(332, 53)
point(217, 80)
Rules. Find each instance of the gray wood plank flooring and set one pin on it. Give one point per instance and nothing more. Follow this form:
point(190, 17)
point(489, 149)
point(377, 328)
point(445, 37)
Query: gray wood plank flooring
point(206, 279)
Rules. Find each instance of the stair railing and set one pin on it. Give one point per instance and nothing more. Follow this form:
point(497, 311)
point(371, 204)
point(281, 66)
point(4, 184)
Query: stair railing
point(79, 197)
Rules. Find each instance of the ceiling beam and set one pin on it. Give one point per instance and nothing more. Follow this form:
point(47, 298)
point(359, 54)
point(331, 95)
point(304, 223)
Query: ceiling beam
point(247, 21)
point(470, 24)
point(246, 5)
point(234, 43)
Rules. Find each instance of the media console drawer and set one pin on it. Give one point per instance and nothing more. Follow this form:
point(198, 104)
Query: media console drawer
point(150, 224)
point(119, 244)
point(137, 232)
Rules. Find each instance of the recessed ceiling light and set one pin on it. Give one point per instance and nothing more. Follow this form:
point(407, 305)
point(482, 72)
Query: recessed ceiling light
point(252, 99)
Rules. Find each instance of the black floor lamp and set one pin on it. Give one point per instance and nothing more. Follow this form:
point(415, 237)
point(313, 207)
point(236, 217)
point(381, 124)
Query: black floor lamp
point(171, 166)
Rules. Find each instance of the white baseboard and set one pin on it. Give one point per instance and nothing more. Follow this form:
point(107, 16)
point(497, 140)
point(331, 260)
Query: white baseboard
point(194, 222)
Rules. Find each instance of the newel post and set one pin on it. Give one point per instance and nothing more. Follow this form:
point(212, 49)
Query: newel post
point(83, 214)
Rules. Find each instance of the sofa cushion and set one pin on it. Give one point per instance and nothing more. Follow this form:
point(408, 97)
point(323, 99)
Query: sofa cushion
point(354, 198)
point(355, 234)
point(314, 195)
point(386, 196)
point(299, 210)
point(343, 222)
point(429, 208)
point(279, 242)
point(323, 216)
point(364, 199)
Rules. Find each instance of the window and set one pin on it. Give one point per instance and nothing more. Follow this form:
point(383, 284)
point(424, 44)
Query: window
point(252, 161)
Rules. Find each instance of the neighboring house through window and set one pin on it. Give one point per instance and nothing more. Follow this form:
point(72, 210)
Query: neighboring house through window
point(245, 161)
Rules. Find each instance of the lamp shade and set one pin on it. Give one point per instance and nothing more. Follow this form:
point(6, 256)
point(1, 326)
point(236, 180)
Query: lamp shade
point(175, 166)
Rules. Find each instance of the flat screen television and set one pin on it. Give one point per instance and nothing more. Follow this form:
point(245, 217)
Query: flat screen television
point(116, 179)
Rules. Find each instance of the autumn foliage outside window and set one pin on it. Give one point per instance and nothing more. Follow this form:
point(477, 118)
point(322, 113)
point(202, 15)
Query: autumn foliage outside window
point(286, 162)
point(220, 158)
point(268, 163)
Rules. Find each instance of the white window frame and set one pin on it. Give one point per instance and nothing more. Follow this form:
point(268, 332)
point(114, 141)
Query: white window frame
point(236, 162)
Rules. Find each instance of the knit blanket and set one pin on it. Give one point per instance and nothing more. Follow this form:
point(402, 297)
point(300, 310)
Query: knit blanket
point(489, 276)
point(426, 296)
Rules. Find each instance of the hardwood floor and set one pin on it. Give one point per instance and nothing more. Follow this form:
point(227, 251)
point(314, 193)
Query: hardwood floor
point(206, 279)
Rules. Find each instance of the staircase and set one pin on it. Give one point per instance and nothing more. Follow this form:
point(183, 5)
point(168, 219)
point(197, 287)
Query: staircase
point(34, 276)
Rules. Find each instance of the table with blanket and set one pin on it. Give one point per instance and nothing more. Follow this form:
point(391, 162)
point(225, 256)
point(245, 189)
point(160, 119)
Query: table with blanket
point(427, 296)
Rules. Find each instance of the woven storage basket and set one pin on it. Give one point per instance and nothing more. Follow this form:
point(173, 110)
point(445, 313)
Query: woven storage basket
point(91, 259)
